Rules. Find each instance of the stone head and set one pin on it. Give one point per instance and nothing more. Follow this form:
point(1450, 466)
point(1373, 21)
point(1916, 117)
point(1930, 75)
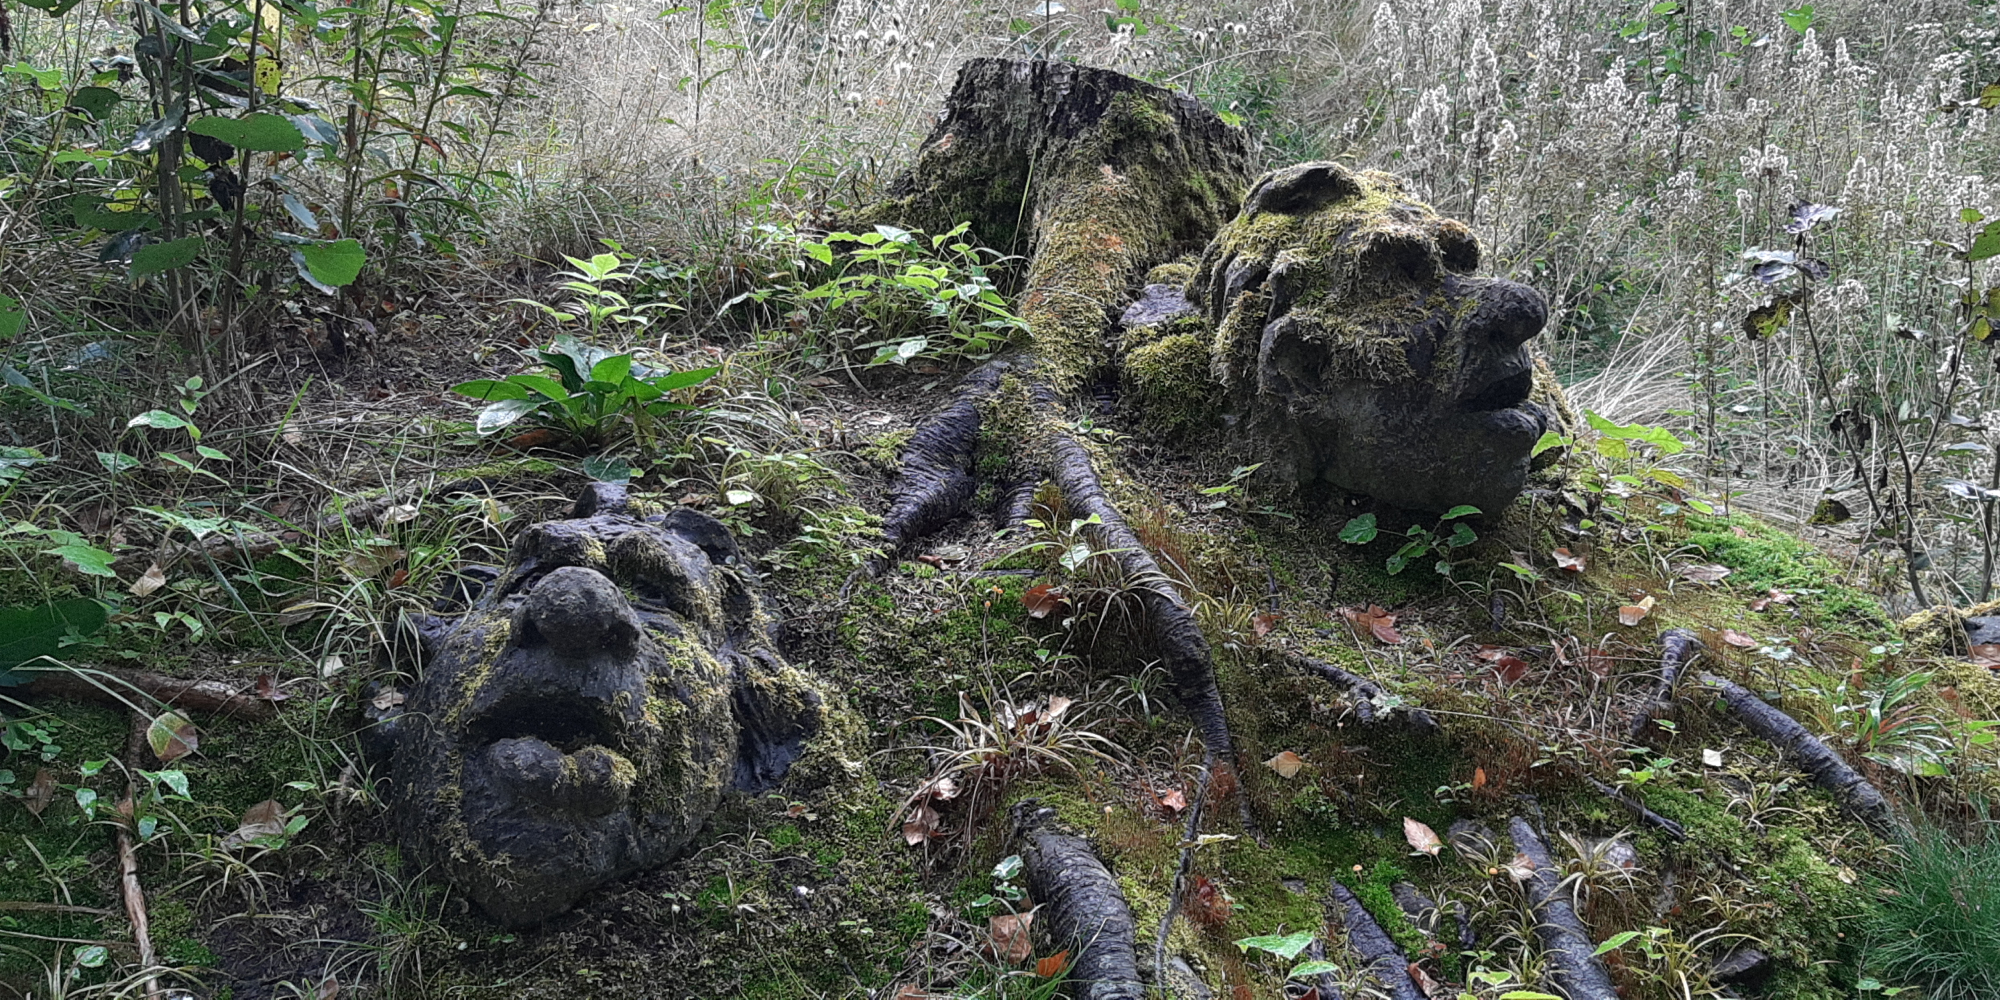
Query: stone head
point(583, 718)
point(1352, 319)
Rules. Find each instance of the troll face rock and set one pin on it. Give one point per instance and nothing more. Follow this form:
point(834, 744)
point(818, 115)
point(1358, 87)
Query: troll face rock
point(585, 716)
point(1355, 339)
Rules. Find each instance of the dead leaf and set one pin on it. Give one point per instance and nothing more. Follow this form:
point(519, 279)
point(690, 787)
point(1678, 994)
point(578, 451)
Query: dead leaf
point(1263, 624)
point(172, 737)
point(400, 514)
point(367, 560)
point(1568, 560)
point(388, 699)
point(397, 579)
point(534, 439)
point(1009, 932)
point(333, 664)
point(1056, 707)
point(1041, 600)
point(1174, 801)
point(1287, 764)
point(1521, 869)
point(329, 988)
point(265, 819)
point(153, 579)
point(1379, 623)
point(1510, 668)
point(1478, 778)
point(931, 560)
point(923, 824)
point(1597, 662)
point(1421, 837)
point(1987, 655)
point(39, 792)
point(1705, 572)
point(1711, 758)
point(268, 689)
point(1052, 966)
point(1633, 614)
point(1738, 639)
point(1771, 596)
point(1425, 984)
point(1241, 991)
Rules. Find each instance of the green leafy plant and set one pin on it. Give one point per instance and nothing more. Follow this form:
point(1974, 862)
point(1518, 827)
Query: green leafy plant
point(595, 303)
point(592, 395)
point(1435, 539)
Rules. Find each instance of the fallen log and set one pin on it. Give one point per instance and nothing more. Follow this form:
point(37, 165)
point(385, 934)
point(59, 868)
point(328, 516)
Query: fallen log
point(1080, 907)
point(1860, 799)
point(1378, 952)
point(1573, 969)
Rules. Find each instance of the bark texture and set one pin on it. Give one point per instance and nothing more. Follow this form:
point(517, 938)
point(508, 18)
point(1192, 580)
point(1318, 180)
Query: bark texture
point(1862, 800)
point(1388, 963)
point(1081, 907)
point(1573, 970)
point(1678, 648)
point(1095, 176)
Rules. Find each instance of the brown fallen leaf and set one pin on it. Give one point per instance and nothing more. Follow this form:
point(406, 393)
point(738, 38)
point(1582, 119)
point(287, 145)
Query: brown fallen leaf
point(389, 698)
point(1041, 600)
point(268, 689)
point(1478, 778)
point(172, 737)
point(1738, 639)
point(534, 439)
point(1263, 624)
point(1425, 984)
point(1174, 801)
point(1633, 614)
point(1567, 560)
point(1286, 763)
point(39, 792)
point(1521, 869)
point(922, 824)
point(1510, 668)
point(1379, 623)
point(153, 579)
point(931, 560)
point(265, 819)
point(1771, 596)
point(1597, 662)
point(1421, 837)
point(1010, 940)
point(1987, 655)
point(1207, 903)
point(1052, 966)
point(1705, 572)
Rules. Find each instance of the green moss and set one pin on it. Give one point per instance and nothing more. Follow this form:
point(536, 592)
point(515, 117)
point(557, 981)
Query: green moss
point(1171, 378)
point(1763, 557)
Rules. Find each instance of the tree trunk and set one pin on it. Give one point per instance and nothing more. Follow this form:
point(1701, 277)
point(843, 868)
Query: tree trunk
point(1091, 174)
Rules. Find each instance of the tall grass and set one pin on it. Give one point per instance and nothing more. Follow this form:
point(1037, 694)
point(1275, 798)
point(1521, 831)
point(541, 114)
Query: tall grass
point(1936, 918)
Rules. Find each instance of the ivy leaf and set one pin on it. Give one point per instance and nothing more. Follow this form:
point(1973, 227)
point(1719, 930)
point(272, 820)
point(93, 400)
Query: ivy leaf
point(1360, 531)
point(153, 133)
point(1285, 946)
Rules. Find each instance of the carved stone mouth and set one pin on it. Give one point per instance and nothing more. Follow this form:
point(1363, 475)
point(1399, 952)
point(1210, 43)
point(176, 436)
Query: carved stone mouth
point(567, 723)
point(1503, 393)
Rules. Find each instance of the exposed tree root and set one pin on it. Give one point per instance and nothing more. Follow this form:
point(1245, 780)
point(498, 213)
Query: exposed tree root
point(1173, 635)
point(1573, 969)
point(135, 690)
point(1862, 800)
point(935, 480)
point(1175, 896)
point(1365, 693)
point(1639, 811)
point(1080, 907)
point(1678, 648)
point(1388, 963)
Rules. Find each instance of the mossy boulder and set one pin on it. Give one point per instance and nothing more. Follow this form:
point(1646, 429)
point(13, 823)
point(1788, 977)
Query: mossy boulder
point(586, 715)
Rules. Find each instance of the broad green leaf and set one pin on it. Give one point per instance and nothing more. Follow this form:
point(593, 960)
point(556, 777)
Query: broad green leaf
point(546, 386)
point(95, 101)
point(335, 264)
point(1462, 510)
point(1550, 439)
point(1313, 968)
point(1360, 530)
point(159, 257)
point(1986, 244)
point(490, 389)
point(1285, 946)
point(681, 380)
point(162, 419)
point(46, 79)
point(614, 369)
point(257, 131)
point(89, 559)
point(28, 633)
point(1615, 942)
point(505, 412)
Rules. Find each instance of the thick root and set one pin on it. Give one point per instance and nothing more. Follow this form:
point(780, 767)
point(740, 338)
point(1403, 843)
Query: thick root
point(1081, 908)
point(1367, 695)
point(1678, 648)
point(1862, 800)
point(1387, 962)
point(1573, 969)
point(139, 691)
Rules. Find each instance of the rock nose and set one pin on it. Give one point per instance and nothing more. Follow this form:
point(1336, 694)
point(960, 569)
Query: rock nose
point(1511, 314)
point(580, 613)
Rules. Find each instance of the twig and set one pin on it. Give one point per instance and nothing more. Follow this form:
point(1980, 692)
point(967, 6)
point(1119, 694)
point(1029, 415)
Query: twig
point(1638, 809)
point(128, 861)
point(1364, 692)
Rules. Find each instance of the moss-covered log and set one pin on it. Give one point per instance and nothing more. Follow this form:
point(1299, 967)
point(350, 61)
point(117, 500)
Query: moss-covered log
point(1094, 175)
point(1573, 969)
point(1678, 648)
point(1860, 799)
point(1081, 908)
